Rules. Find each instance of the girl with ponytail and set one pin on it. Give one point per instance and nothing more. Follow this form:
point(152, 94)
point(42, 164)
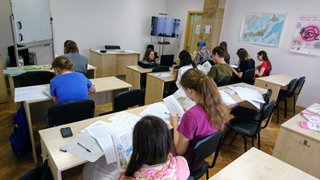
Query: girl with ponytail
point(208, 116)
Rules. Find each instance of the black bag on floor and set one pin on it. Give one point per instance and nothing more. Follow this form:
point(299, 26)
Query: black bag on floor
point(39, 173)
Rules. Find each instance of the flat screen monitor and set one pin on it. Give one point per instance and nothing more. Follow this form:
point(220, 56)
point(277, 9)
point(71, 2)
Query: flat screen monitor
point(167, 60)
point(166, 27)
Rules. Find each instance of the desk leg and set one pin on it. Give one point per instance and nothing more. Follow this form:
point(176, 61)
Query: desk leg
point(154, 90)
point(11, 86)
point(28, 115)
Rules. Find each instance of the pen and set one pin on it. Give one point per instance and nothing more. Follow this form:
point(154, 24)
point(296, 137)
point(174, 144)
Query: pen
point(84, 147)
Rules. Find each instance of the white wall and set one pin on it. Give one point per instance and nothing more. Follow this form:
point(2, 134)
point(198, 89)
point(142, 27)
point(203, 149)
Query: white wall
point(93, 24)
point(282, 60)
point(179, 9)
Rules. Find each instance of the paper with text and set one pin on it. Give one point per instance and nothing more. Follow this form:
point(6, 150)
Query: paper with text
point(126, 118)
point(157, 109)
point(226, 98)
point(31, 93)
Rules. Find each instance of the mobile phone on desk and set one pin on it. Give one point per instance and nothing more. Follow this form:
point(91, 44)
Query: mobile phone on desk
point(66, 132)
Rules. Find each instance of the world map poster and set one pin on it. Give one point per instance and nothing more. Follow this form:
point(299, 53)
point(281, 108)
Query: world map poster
point(306, 39)
point(262, 28)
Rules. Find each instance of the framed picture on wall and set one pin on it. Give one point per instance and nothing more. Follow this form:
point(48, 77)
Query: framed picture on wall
point(262, 28)
point(306, 39)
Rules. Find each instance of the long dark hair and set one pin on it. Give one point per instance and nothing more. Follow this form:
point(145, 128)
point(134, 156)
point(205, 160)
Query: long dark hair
point(265, 57)
point(151, 143)
point(146, 55)
point(210, 97)
point(185, 59)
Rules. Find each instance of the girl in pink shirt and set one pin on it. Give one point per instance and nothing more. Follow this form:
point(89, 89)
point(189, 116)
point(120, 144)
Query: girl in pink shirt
point(150, 157)
point(209, 115)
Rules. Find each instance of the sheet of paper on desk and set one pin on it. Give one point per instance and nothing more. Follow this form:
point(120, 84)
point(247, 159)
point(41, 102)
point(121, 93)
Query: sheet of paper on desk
point(88, 143)
point(164, 75)
point(157, 109)
point(252, 96)
point(101, 133)
point(226, 98)
point(126, 118)
point(30, 93)
point(13, 71)
point(315, 110)
point(310, 116)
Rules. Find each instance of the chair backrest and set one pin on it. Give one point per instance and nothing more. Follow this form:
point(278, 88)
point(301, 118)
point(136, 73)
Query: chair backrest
point(160, 69)
point(291, 88)
point(266, 112)
point(127, 99)
point(111, 47)
point(299, 85)
point(167, 60)
point(206, 147)
point(224, 81)
point(268, 73)
point(32, 78)
point(248, 75)
point(267, 96)
point(69, 112)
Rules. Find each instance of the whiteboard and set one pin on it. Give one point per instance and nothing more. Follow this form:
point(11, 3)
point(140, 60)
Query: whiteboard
point(31, 20)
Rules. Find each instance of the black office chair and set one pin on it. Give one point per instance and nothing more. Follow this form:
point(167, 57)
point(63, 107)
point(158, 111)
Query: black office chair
point(224, 81)
point(69, 112)
point(252, 127)
point(127, 99)
point(160, 69)
point(203, 149)
point(32, 78)
point(247, 76)
point(245, 113)
point(284, 95)
point(297, 91)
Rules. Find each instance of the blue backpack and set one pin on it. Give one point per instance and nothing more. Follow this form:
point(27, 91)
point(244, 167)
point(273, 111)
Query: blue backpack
point(20, 139)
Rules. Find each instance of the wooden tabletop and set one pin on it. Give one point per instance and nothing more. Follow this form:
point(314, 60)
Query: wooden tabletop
point(65, 160)
point(255, 164)
point(293, 124)
point(109, 83)
point(279, 79)
point(140, 69)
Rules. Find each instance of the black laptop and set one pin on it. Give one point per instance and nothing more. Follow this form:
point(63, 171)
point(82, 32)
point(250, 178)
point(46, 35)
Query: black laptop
point(167, 60)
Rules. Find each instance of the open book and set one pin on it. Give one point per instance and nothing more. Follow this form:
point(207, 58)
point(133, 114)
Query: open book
point(205, 67)
point(178, 103)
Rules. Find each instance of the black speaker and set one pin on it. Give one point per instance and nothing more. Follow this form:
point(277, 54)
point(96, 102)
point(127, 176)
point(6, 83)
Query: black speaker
point(23, 53)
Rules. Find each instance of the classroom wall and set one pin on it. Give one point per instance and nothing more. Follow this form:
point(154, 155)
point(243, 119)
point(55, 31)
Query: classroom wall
point(93, 24)
point(282, 60)
point(179, 9)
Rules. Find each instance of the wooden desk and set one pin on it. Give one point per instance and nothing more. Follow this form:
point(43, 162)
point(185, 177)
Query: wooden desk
point(3, 87)
point(156, 86)
point(36, 110)
point(134, 75)
point(113, 63)
point(255, 164)
point(60, 161)
point(274, 82)
point(91, 73)
point(299, 147)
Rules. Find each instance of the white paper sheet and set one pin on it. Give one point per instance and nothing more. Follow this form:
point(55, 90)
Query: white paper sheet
point(126, 118)
point(252, 96)
point(226, 98)
point(30, 93)
point(164, 75)
point(157, 109)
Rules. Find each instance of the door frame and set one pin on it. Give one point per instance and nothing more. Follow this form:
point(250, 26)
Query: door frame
point(186, 35)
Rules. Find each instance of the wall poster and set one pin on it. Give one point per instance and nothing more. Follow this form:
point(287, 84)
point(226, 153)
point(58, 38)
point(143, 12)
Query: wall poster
point(262, 28)
point(306, 39)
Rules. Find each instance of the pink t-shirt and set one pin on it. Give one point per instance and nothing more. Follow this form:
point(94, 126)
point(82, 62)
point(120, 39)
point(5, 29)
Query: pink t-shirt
point(176, 168)
point(195, 125)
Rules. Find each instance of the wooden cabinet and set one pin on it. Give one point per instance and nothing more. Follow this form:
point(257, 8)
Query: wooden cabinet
point(112, 63)
point(134, 75)
point(299, 147)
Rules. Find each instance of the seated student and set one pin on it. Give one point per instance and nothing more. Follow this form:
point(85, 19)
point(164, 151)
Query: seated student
point(203, 54)
point(149, 56)
point(208, 116)
point(221, 68)
point(68, 85)
point(224, 46)
point(264, 68)
point(186, 63)
point(245, 62)
point(71, 52)
point(150, 158)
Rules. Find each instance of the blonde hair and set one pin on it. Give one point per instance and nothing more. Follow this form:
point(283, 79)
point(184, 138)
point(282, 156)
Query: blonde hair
point(62, 63)
point(210, 97)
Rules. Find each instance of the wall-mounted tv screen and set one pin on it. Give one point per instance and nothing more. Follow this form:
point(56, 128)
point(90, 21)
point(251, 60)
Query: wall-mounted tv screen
point(166, 27)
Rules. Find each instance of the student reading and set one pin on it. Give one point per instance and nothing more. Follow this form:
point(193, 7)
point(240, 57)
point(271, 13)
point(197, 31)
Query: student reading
point(265, 67)
point(208, 116)
point(150, 158)
point(71, 51)
point(68, 85)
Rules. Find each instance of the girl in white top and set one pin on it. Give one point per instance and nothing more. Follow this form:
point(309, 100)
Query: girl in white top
point(186, 63)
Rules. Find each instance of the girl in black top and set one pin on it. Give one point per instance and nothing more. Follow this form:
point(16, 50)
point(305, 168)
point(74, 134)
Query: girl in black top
point(245, 62)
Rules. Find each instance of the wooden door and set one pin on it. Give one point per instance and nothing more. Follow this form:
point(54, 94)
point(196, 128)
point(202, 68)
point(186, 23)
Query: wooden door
point(3, 88)
point(193, 30)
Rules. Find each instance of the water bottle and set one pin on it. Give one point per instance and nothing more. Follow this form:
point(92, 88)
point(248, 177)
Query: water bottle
point(20, 61)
